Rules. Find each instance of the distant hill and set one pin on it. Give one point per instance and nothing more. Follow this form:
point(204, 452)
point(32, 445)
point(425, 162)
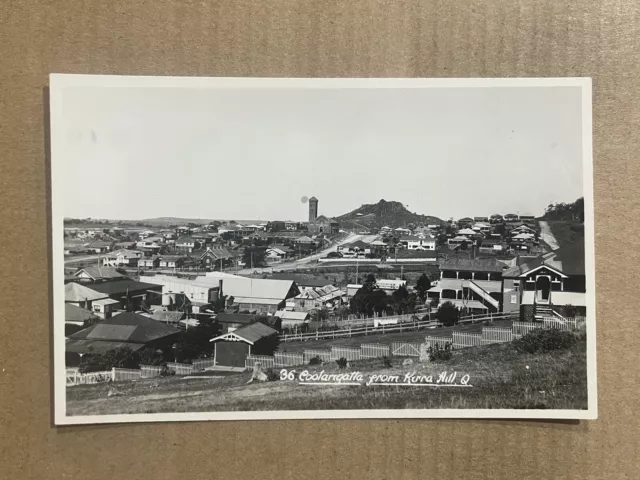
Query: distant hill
point(165, 221)
point(377, 215)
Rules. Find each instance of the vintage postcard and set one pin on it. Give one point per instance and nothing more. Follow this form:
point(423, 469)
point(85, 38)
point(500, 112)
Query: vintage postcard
point(263, 248)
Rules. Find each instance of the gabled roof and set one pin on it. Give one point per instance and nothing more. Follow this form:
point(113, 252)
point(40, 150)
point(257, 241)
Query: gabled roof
point(569, 260)
point(76, 292)
point(313, 199)
point(301, 280)
point(74, 314)
point(98, 273)
point(242, 318)
point(466, 231)
point(120, 287)
point(250, 334)
point(167, 317)
point(126, 327)
point(304, 239)
point(217, 253)
point(297, 316)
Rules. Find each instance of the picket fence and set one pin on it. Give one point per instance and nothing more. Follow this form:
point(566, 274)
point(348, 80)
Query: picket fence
point(324, 355)
point(374, 350)
point(285, 359)
point(181, 368)
point(264, 360)
point(439, 341)
point(121, 374)
point(350, 353)
point(496, 335)
point(150, 371)
point(203, 363)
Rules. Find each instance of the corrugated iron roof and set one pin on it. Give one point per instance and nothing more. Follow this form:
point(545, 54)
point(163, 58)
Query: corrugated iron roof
point(254, 332)
point(75, 292)
point(126, 327)
point(100, 272)
point(76, 314)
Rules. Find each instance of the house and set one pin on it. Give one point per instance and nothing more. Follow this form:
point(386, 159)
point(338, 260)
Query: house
point(105, 307)
point(81, 295)
point(213, 257)
point(127, 329)
point(76, 318)
point(122, 257)
point(465, 222)
point(473, 284)
point(171, 261)
point(528, 218)
point(232, 348)
point(413, 242)
point(96, 274)
point(148, 248)
point(130, 293)
point(187, 244)
point(481, 219)
point(278, 253)
point(293, 320)
point(328, 296)
point(149, 262)
point(304, 240)
point(482, 227)
point(491, 245)
point(230, 321)
point(467, 232)
point(458, 241)
point(549, 285)
point(402, 231)
point(99, 247)
point(260, 295)
point(389, 286)
point(354, 249)
point(472, 268)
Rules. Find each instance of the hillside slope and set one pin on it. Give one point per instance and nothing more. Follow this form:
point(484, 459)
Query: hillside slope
point(377, 215)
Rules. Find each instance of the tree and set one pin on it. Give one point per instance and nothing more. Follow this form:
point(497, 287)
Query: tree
point(448, 314)
point(150, 356)
point(423, 284)
point(369, 299)
point(254, 257)
point(122, 357)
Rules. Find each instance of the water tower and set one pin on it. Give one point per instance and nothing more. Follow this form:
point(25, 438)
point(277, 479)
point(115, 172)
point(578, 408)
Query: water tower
point(313, 209)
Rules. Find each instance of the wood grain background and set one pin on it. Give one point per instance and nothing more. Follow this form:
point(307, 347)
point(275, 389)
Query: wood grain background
point(349, 38)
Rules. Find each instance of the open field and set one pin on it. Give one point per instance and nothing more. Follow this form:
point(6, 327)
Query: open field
point(501, 378)
point(566, 232)
point(416, 336)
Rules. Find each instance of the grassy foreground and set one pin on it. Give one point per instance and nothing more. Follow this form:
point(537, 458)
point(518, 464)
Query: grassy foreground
point(498, 373)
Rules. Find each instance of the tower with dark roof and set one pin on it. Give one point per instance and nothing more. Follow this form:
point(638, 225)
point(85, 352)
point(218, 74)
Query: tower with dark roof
point(313, 209)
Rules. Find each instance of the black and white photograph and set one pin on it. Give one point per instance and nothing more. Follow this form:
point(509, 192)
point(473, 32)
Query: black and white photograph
point(278, 248)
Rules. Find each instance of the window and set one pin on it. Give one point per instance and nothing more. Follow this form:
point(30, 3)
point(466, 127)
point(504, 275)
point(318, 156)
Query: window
point(514, 299)
point(516, 286)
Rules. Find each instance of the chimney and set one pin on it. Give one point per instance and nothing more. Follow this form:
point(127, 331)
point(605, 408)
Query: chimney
point(220, 288)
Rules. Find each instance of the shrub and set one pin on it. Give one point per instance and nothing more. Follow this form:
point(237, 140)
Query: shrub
point(541, 341)
point(342, 363)
point(440, 354)
point(272, 375)
point(315, 361)
point(166, 371)
point(386, 361)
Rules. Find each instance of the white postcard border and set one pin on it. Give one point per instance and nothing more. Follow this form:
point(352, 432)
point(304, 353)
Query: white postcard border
point(60, 82)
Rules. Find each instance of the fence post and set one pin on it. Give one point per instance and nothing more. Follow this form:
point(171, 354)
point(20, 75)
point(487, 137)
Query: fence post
point(113, 374)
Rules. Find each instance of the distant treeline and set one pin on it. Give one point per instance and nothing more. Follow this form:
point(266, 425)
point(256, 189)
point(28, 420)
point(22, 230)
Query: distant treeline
point(565, 211)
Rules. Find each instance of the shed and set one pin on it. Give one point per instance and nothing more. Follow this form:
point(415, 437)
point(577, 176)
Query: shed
point(231, 349)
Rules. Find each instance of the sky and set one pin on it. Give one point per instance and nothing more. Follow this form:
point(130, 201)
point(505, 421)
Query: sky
point(136, 153)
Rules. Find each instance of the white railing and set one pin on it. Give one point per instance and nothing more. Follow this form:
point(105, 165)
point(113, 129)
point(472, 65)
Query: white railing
point(497, 335)
point(264, 360)
point(203, 363)
point(439, 341)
